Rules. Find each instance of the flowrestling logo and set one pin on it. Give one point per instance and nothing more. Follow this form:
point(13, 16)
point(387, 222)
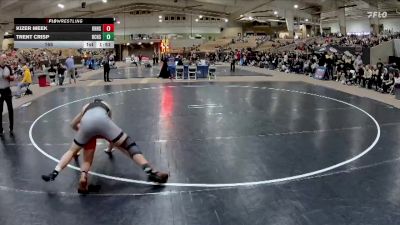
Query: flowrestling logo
point(376, 14)
point(64, 21)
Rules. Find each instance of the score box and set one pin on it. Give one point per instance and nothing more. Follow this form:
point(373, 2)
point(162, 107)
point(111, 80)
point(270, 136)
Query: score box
point(108, 27)
point(108, 36)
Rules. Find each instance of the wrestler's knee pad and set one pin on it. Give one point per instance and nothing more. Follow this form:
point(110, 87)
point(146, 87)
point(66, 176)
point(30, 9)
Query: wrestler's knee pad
point(131, 147)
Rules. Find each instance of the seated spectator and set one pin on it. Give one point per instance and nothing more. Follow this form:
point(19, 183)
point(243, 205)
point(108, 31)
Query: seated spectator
point(341, 73)
point(25, 82)
point(376, 79)
point(387, 83)
point(368, 76)
point(360, 78)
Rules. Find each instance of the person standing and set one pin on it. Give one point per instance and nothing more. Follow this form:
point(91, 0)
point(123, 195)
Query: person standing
point(164, 73)
point(5, 94)
point(140, 58)
point(154, 58)
point(233, 63)
point(60, 72)
point(106, 67)
point(52, 74)
point(69, 63)
point(157, 58)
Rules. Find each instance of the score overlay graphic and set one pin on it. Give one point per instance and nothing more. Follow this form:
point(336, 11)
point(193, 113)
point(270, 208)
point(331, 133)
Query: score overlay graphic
point(64, 33)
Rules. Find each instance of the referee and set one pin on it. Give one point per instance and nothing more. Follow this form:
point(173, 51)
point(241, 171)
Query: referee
point(5, 93)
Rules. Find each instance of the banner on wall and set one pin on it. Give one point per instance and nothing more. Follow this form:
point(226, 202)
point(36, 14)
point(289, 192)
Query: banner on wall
point(165, 46)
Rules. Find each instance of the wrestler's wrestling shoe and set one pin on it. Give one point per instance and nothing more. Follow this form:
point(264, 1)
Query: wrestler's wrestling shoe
point(50, 177)
point(158, 177)
point(108, 151)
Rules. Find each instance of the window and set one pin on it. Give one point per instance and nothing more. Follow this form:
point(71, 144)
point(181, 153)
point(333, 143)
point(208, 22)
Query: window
point(178, 18)
point(172, 17)
point(166, 18)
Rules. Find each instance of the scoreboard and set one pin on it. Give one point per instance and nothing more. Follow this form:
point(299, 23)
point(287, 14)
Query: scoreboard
point(64, 33)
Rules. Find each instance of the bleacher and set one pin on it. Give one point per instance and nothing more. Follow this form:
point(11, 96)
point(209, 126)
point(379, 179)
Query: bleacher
point(250, 42)
point(212, 45)
point(266, 46)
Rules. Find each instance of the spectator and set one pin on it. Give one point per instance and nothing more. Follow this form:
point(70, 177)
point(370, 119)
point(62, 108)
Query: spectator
point(61, 74)
point(69, 63)
point(233, 63)
point(52, 74)
point(368, 76)
point(25, 82)
point(387, 83)
point(106, 67)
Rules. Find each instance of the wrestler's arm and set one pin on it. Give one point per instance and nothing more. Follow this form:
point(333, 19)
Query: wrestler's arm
point(77, 119)
point(109, 107)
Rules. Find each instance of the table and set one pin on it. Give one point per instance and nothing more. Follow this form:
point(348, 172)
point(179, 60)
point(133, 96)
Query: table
point(202, 71)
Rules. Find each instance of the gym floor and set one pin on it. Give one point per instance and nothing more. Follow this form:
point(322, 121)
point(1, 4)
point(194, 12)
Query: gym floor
point(237, 153)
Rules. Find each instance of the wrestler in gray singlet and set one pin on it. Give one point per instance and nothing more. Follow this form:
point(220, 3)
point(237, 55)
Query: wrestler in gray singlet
point(97, 122)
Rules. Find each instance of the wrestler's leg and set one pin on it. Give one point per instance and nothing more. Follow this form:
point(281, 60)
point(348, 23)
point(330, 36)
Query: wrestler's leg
point(64, 161)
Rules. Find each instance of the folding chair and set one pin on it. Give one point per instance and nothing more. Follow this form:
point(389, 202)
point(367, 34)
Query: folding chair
point(192, 72)
point(211, 72)
point(179, 72)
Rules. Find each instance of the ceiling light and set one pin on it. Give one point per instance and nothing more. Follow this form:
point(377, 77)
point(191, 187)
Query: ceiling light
point(306, 20)
point(275, 12)
point(160, 17)
point(60, 5)
point(197, 20)
point(160, 21)
point(140, 43)
point(296, 6)
point(6, 33)
point(118, 21)
point(128, 43)
point(226, 20)
point(151, 43)
point(241, 15)
point(250, 18)
point(104, 1)
point(201, 16)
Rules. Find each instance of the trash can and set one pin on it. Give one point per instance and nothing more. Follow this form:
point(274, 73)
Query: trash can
point(397, 91)
point(320, 73)
point(43, 80)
